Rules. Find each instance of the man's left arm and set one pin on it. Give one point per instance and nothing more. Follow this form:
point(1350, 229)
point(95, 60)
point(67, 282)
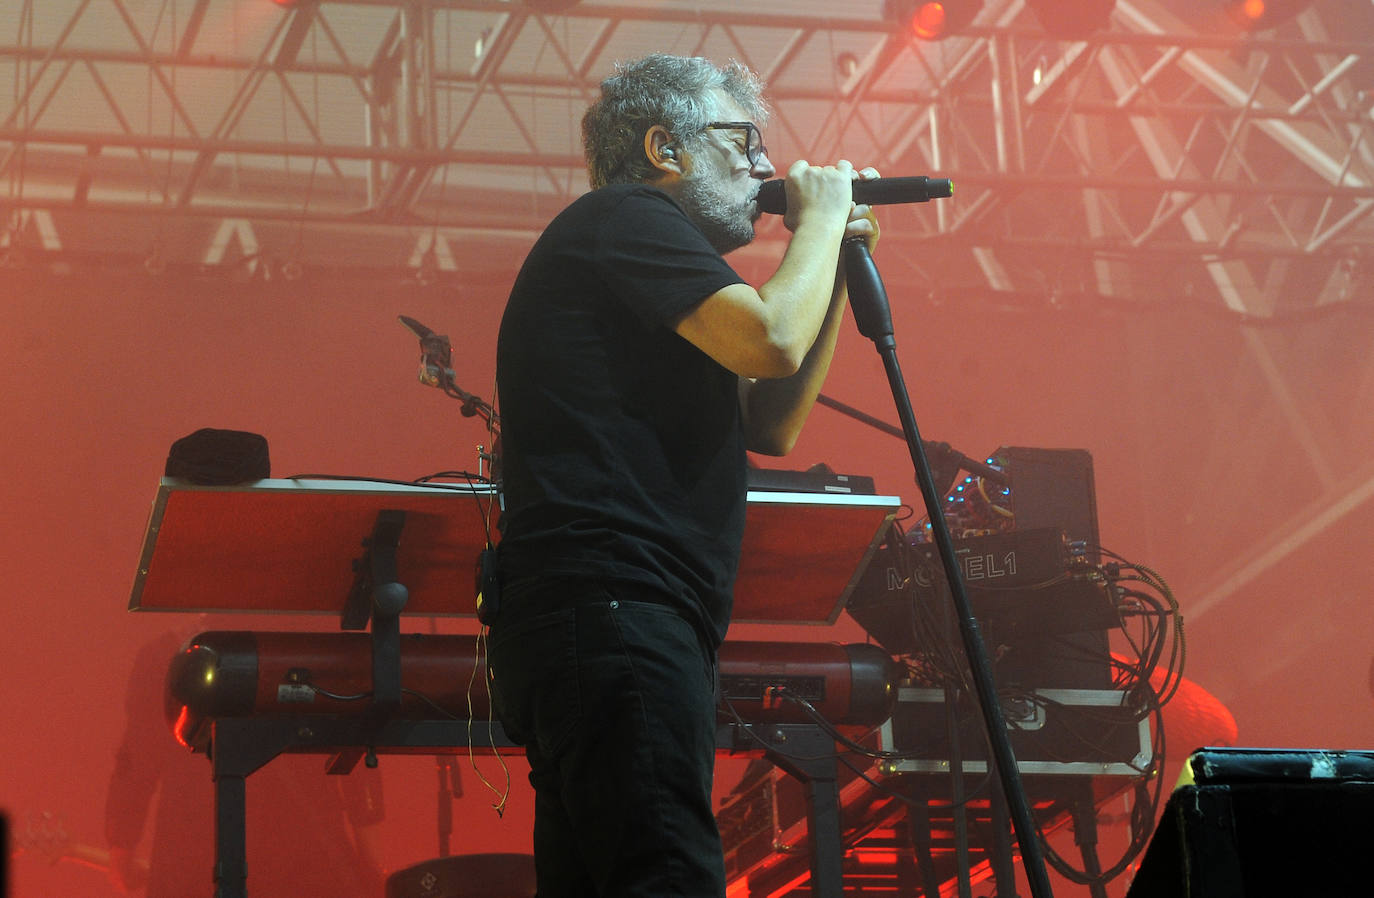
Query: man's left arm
point(775, 410)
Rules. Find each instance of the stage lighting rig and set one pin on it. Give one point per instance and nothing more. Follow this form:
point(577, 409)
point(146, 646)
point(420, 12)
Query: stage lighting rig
point(929, 20)
point(1072, 19)
point(1259, 15)
point(551, 6)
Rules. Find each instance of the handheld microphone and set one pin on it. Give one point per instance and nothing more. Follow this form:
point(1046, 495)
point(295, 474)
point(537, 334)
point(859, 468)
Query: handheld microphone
point(772, 196)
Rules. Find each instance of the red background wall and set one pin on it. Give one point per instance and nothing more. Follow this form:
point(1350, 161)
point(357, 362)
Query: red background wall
point(1199, 464)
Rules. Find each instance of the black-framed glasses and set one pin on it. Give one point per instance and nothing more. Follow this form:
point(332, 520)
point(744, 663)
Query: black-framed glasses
point(753, 138)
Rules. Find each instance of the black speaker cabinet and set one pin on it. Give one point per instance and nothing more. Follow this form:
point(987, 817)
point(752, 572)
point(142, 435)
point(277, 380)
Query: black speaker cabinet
point(1254, 822)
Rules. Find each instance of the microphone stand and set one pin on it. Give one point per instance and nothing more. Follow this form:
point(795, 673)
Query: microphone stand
point(947, 461)
point(873, 315)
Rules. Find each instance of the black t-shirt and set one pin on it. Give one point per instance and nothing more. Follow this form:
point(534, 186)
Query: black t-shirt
point(622, 449)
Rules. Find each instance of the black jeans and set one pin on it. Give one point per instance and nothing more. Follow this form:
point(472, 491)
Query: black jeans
point(614, 700)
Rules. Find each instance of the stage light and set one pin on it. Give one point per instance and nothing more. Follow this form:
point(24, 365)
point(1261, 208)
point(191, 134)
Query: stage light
point(1258, 15)
point(931, 20)
point(1072, 19)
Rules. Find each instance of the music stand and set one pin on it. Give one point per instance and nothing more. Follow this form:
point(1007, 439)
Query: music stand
point(803, 553)
point(289, 546)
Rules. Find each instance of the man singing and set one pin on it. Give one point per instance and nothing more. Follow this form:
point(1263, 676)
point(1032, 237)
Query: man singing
point(634, 368)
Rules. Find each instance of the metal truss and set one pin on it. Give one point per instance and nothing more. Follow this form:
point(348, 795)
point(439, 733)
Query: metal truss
point(1165, 156)
point(1169, 159)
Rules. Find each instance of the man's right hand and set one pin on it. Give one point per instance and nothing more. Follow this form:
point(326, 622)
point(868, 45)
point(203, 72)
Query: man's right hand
point(825, 190)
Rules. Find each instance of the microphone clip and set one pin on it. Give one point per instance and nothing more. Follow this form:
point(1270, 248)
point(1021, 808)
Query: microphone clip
point(436, 357)
point(436, 360)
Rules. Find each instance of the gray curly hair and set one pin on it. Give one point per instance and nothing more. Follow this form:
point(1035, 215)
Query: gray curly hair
point(672, 91)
